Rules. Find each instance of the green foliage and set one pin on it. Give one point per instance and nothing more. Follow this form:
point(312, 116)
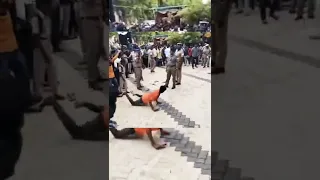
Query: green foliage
point(185, 38)
point(195, 12)
point(138, 9)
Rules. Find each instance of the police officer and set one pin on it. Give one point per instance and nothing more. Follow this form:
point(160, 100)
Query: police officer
point(137, 66)
point(221, 10)
point(92, 15)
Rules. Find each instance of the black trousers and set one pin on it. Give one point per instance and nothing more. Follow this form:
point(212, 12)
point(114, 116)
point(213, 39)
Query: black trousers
point(195, 61)
point(10, 150)
point(93, 130)
point(263, 4)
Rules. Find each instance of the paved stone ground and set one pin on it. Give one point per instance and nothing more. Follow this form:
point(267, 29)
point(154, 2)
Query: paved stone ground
point(265, 108)
point(190, 147)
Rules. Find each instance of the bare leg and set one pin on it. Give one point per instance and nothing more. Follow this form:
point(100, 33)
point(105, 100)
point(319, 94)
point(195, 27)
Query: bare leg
point(134, 103)
point(123, 133)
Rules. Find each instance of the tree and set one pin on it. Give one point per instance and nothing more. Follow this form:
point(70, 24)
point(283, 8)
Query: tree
point(185, 38)
point(137, 10)
point(195, 12)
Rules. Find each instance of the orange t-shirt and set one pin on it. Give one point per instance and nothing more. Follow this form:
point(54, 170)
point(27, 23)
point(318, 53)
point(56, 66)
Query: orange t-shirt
point(152, 96)
point(8, 42)
point(111, 72)
point(143, 131)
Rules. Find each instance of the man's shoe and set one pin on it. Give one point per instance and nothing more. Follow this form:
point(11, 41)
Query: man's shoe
point(173, 87)
point(178, 83)
point(218, 71)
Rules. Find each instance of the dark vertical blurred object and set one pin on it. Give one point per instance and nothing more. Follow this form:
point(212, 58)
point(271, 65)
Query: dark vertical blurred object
point(220, 18)
point(111, 10)
point(13, 102)
point(73, 26)
point(55, 26)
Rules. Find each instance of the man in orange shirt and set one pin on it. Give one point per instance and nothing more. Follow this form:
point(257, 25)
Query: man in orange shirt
point(147, 98)
point(112, 78)
point(135, 133)
point(96, 129)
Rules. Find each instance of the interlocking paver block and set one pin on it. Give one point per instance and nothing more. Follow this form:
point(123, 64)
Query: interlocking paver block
point(206, 167)
point(200, 161)
point(208, 161)
point(207, 172)
point(191, 159)
point(186, 150)
point(178, 136)
point(174, 142)
point(196, 149)
point(192, 154)
point(192, 124)
point(191, 144)
point(203, 154)
point(198, 165)
point(180, 146)
point(185, 140)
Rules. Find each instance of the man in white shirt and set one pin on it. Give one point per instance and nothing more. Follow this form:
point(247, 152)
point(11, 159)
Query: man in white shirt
point(167, 52)
point(149, 52)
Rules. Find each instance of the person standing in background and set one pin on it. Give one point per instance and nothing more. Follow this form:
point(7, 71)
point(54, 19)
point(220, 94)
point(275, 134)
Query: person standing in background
point(311, 4)
point(272, 4)
point(45, 61)
point(195, 56)
point(180, 61)
point(92, 15)
point(171, 69)
point(137, 66)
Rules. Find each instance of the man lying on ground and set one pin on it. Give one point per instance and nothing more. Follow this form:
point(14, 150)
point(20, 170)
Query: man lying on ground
point(96, 129)
point(147, 98)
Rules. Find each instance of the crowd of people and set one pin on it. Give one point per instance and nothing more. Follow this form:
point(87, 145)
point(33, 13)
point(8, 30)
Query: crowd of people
point(125, 61)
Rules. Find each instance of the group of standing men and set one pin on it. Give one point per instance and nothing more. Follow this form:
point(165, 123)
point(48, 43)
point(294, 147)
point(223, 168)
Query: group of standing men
point(124, 62)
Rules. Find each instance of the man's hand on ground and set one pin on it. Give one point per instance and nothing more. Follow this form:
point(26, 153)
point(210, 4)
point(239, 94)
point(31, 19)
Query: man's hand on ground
point(159, 146)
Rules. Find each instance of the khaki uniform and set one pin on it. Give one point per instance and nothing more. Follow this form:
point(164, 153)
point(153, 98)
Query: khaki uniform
point(179, 69)
point(221, 12)
point(171, 71)
point(137, 66)
point(92, 14)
